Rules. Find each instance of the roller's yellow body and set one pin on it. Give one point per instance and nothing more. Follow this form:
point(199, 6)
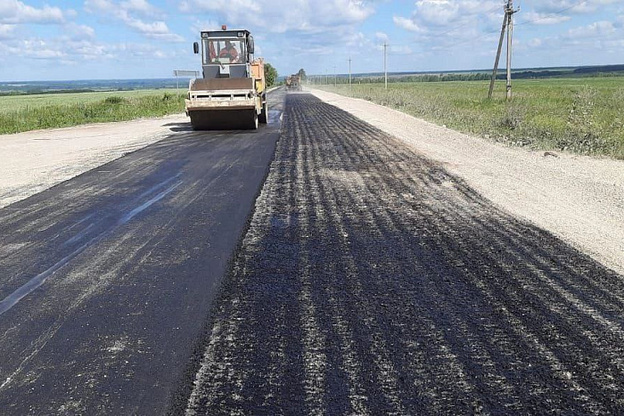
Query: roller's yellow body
point(232, 92)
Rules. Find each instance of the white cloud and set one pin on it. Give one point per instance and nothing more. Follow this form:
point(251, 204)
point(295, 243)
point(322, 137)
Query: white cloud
point(142, 51)
point(603, 29)
point(6, 31)
point(572, 6)
point(576, 45)
point(358, 40)
point(382, 36)
point(544, 18)
point(438, 12)
point(140, 6)
point(199, 26)
point(155, 30)
point(94, 6)
point(79, 32)
point(440, 26)
point(293, 33)
point(400, 50)
point(535, 43)
point(407, 24)
point(615, 45)
point(16, 12)
point(76, 43)
point(124, 11)
point(449, 16)
point(34, 49)
point(67, 50)
point(279, 16)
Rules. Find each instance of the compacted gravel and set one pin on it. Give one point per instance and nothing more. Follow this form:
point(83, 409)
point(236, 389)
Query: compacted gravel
point(372, 281)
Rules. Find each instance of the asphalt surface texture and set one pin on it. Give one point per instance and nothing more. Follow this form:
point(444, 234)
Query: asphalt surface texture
point(371, 281)
point(106, 280)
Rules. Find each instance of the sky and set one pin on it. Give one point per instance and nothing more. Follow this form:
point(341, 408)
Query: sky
point(126, 39)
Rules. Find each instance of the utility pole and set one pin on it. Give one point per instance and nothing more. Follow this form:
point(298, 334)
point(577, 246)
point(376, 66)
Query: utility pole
point(508, 26)
point(349, 72)
point(385, 46)
point(510, 11)
point(335, 77)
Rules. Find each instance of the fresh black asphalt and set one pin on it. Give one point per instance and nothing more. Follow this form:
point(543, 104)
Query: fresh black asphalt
point(106, 279)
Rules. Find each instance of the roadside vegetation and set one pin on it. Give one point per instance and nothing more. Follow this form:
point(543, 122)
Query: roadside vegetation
point(32, 112)
point(584, 115)
point(270, 74)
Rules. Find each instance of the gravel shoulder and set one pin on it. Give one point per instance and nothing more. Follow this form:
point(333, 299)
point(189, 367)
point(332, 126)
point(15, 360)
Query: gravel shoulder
point(37, 160)
point(580, 199)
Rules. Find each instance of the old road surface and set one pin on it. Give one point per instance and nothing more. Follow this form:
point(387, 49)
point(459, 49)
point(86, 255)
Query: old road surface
point(372, 282)
point(368, 281)
point(106, 280)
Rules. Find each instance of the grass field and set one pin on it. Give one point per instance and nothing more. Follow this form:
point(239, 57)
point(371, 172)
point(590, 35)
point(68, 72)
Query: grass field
point(29, 112)
point(584, 115)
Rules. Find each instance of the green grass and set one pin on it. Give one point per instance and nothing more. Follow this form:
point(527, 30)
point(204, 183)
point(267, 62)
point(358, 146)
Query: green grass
point(31, 112)
point(584, 116)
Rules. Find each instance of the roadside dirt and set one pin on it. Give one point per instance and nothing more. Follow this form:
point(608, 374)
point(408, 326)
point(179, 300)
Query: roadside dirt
point(580, 199)
point(37, 160)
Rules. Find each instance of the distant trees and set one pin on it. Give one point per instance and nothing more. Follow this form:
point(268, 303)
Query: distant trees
point(270, 73)
point(302, 74)
point(421, 78)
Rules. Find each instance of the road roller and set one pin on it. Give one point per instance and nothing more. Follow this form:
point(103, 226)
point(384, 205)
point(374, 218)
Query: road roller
point(231, 94)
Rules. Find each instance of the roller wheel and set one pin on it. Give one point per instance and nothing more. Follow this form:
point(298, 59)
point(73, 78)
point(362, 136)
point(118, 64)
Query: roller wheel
point(254, 123)
point(264, 115)
point(224, 120)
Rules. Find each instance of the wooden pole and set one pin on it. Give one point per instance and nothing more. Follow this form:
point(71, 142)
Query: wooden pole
point(510, 13)
point(385, 46)
point(349, 72)
point(498, 54)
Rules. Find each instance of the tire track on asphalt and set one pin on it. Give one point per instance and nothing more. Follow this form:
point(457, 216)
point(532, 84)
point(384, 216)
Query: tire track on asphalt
point(332, 231)
point(381, 225)
point(439, 213)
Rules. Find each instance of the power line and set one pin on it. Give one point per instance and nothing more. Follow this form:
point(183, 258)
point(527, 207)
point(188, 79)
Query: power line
point(528, 22)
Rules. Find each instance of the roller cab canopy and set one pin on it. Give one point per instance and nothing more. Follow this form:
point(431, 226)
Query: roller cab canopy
point(226, 47)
